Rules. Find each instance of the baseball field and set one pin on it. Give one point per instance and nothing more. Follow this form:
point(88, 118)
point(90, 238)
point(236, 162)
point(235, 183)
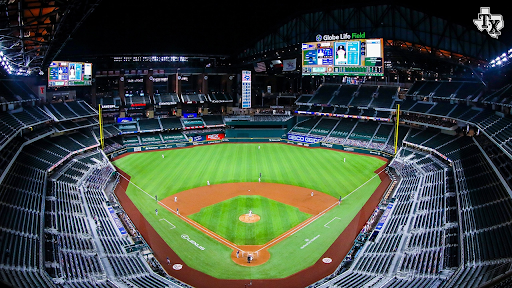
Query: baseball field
point(196, 198)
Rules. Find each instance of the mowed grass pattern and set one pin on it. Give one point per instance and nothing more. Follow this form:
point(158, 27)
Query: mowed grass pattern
point(182, 169)
point(223, 219)
point(318, 169)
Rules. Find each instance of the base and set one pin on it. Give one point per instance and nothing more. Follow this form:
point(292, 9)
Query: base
point(259, 256)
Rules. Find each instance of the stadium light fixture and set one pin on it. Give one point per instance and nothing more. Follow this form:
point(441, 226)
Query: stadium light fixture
point(502, 60)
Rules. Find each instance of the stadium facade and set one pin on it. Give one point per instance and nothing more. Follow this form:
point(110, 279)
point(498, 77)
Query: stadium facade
point(444, 221)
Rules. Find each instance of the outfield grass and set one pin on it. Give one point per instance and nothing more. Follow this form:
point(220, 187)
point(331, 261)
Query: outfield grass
point(318, 169)
point(182, 169)
point(276, 218)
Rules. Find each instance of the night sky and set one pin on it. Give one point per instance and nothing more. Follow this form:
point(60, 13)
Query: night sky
point(225, 27)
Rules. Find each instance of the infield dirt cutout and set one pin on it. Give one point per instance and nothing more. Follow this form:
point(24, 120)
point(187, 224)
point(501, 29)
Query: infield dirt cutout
point(191, 201)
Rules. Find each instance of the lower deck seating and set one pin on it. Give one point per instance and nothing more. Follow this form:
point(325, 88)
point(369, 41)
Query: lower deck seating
point(76, 232)
point(88, 232)
point(22, 198)
point(411, 248)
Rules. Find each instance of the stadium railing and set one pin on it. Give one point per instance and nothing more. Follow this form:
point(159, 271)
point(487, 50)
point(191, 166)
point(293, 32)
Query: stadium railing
point(83, 231)
point(324, 94)
point(149, 125)
point(410, 247)
point(484, 206)
point(364, 96)
point(344, 95)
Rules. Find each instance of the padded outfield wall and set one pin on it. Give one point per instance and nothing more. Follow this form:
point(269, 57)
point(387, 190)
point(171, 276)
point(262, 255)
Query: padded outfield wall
point(244, 133)
point(251, 140)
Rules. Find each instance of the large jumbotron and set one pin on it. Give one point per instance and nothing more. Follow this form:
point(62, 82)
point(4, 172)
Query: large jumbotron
point(351, 146)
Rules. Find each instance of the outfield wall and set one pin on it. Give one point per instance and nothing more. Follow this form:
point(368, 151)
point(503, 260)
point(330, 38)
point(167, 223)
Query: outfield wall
point(251, 140)
point(241, 123)
point(256, 133)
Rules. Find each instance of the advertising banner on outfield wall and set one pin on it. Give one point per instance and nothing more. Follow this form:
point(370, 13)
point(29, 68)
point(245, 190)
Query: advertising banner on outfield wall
point(357, 150)
point(196, 138)
point(213, 137)
point(304, 138)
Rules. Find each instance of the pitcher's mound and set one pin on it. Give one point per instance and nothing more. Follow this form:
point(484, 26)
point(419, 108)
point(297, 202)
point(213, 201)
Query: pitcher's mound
point(249, 219)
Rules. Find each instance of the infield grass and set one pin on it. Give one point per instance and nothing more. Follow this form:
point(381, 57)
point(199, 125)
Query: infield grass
point(276, 218)
point(322, 170)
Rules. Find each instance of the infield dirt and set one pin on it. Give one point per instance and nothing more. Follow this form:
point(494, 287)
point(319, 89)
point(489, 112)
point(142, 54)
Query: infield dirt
point(193, 200)
point(336, 251)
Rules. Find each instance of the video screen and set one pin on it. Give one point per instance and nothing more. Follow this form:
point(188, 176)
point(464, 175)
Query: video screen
point(361, 57)
point(66, 74)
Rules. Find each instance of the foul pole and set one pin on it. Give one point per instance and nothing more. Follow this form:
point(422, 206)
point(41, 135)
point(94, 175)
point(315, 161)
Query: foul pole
point(396, 125)
point(102, 144)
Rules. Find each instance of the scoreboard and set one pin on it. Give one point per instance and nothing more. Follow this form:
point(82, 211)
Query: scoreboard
point(64, 74)
point(350, 57)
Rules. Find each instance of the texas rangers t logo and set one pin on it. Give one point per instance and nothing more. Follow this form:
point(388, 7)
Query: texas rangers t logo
point(492, 23)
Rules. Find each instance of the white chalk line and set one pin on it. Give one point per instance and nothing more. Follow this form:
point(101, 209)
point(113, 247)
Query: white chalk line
point(363, 184)
point(168, 222)
point(213, 235)
point(284, 235)
point(325, 225)
point(311, 220)
point(297, 228)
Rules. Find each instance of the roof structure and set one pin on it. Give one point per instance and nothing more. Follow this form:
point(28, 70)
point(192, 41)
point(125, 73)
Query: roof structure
point(33, 32)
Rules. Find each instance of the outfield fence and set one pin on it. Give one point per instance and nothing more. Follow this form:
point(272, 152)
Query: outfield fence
point(319, 144)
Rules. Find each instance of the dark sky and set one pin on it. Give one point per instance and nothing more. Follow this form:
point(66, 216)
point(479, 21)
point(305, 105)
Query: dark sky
point(225, 27)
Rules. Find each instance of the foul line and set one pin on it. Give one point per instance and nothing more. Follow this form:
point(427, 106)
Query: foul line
point(363, 184)
point(311, 220)
point(297, 228)
point(211, 234)
point(275, 240)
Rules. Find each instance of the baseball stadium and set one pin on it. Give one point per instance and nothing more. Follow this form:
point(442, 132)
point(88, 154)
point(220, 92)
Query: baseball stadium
point(182, 145)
